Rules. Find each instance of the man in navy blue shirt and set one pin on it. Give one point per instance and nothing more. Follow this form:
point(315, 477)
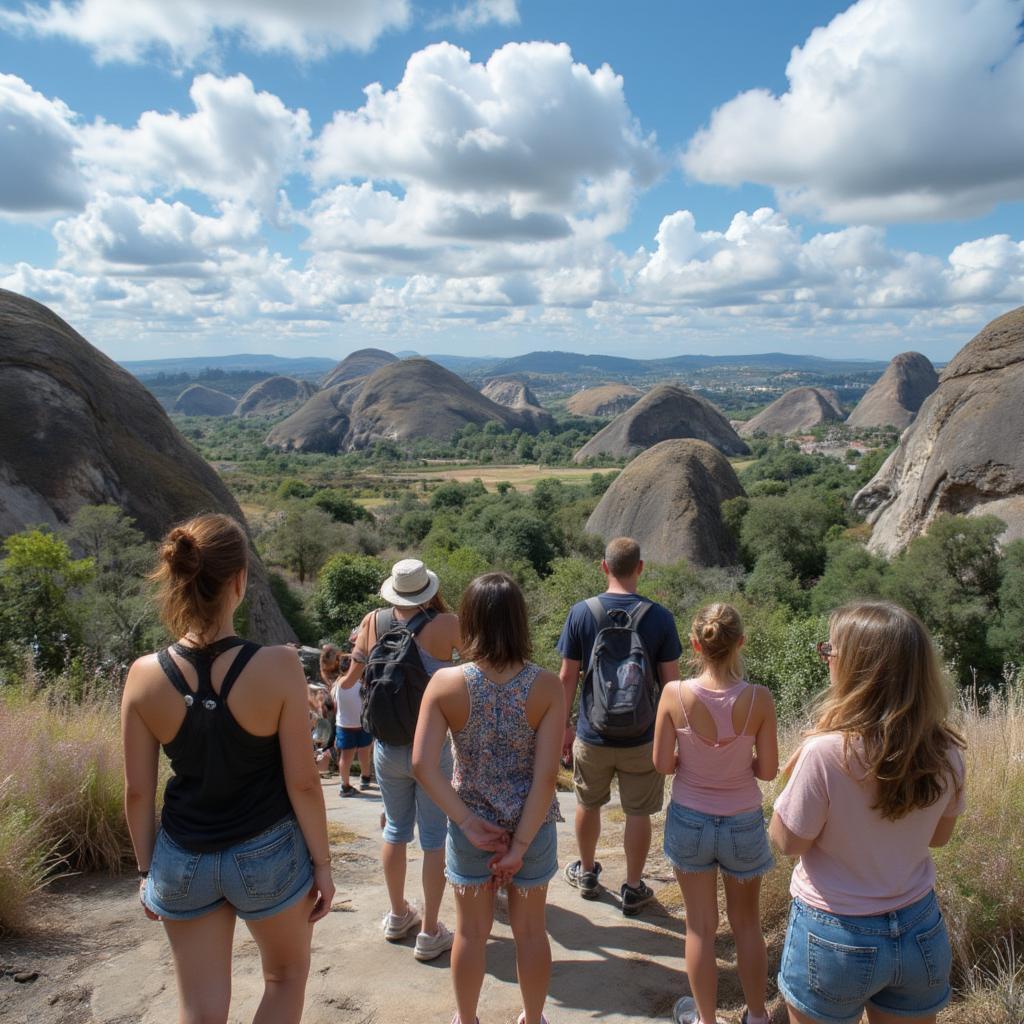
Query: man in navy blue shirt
point(598, 759)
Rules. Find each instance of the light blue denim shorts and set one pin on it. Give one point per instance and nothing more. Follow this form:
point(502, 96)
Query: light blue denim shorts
point(467, 866)
point(259, 877)
point(737, 844)
point(406, 804)
point(898, 962)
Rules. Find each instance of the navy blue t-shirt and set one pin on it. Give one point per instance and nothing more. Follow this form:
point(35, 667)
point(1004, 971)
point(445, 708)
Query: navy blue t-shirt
point(657, 630)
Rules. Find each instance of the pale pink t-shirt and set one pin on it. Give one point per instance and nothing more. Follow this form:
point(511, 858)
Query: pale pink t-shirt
point(860, 863)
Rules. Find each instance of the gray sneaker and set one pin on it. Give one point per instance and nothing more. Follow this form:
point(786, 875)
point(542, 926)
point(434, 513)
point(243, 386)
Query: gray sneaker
point(397, 927)
point(685, 1011)
point(588, 882)
point(430, 947)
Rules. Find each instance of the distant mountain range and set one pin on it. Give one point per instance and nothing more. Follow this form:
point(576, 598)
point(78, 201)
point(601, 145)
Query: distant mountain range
point(306, 366)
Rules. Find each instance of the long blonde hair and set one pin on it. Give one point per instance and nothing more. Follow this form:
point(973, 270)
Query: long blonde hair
point(889, 691)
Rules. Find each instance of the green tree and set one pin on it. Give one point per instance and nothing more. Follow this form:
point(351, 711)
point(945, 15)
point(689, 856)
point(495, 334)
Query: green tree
point(347, 587)
point(38, 578)
point(293, 488)
point(793, 526)
point(301, 540)
point(773, 581)
point(339, 506)
point(1007, 635)
point(851, 572)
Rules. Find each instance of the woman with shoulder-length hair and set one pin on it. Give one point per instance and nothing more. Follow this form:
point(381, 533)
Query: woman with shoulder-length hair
point(507, 721)
point(243, 832)
point(878, 781)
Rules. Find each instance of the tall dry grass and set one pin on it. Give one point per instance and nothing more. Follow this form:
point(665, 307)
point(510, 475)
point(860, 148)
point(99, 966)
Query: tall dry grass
point(61, 795)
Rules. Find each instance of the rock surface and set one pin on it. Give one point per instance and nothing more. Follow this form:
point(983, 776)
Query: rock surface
point(514, 393)
point(321, 423)
point(360, 363)
point(199, 400)
point(794, 412)
point(895, 398)
point(669, 498)
point(273, 396)
point(76, 429)
point(665, 412)
point(604, 400)
point(963, 454)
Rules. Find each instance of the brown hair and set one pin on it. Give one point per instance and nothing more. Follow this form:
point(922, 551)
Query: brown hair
point(889, 691)
point(198, 558)
point(717, 630)
point(622, 556)
point(493, 620)
point(437, 603)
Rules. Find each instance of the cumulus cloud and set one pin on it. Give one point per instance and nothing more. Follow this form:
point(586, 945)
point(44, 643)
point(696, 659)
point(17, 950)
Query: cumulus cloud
point(478, 13)
point(896, 110)
point(529, 124)
point(239, 144)
point(39, 173)
point(188, 29)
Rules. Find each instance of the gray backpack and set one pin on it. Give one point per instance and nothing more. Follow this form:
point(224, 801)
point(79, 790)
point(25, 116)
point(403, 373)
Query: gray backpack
point(621, 701)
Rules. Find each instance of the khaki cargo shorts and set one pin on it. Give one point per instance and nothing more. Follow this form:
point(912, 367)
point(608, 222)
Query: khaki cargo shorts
point(641, 788)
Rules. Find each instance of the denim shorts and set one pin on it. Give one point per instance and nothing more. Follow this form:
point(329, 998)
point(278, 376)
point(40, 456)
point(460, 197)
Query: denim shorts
point(898, 962)
point(737, 844)
point(467, 866)
point(258, 877)
point(406, 803)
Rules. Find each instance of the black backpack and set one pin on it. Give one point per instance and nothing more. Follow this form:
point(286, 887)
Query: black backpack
point(621, 701)
point(394, 679)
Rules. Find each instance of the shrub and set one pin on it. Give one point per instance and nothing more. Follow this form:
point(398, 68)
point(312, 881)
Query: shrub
point(347, 587)
point(339, 506)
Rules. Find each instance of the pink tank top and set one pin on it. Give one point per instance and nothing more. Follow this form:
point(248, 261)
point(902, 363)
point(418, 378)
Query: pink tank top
point(716, 777)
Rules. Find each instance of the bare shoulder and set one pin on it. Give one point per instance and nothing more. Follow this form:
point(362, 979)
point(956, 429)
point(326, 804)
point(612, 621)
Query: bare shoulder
point(144, 674)
point(548, 684)
point(447, 681)
point(763, 696)
point(280, 666)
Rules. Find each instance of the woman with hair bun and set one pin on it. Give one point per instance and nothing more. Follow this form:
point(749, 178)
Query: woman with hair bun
point(717, 734)
point(877, 781)
point(243, 831)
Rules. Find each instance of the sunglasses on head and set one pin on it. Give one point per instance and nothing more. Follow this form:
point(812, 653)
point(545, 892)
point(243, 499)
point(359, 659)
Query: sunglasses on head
point(825, 650)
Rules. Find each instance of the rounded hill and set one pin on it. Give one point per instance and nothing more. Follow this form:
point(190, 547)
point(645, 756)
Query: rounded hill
point(273, 396)
point(798, 410)
point(895, 398)
point(669, 498)
point(603, 400)
point(76, 429)
point(360, 363)
point(199, 400)
point(514, 393)
point(665, 412)
point(321, 423)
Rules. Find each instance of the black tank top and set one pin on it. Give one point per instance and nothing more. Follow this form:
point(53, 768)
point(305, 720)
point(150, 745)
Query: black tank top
point(227, 784)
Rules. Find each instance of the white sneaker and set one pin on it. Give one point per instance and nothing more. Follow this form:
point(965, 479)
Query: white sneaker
point(396, 927)
point(430, 947)
point(685, 1011)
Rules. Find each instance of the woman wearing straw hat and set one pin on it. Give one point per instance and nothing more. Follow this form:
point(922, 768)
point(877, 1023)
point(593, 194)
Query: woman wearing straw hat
point(410, 589)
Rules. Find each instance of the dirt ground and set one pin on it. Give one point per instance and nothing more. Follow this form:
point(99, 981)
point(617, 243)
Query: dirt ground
point(99, 961)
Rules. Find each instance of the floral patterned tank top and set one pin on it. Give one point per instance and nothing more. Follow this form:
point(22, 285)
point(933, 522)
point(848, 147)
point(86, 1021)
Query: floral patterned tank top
point(494, 751)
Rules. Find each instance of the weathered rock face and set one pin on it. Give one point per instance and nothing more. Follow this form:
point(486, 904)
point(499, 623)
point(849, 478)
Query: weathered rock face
point(895, 398)
point(515, 394)
point(321, 423)
point(963, 454)
point(794, 412)
point(604, 400)
point(76, 429)
point(199, 400)
point(273, 396)
point(360, 363)
point(417, 398)
point(669, 498)
point(665, 412)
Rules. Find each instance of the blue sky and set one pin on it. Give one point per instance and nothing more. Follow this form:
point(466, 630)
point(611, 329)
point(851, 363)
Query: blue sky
point(646, 178)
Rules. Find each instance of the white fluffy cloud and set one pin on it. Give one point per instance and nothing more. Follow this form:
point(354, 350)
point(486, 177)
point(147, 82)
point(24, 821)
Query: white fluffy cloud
point(896, 110)
point(38, 170)
point(529, 124)
point(478, 13)
point(187, 29)
point(239, 144)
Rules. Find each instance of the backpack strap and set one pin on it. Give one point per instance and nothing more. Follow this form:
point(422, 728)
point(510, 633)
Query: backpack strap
point(242, 658)
point(599, 612)
point(388, 622)
point(422, 618)
point(640, 609)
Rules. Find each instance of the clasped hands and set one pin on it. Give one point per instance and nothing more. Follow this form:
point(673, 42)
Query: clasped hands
point(508, 851)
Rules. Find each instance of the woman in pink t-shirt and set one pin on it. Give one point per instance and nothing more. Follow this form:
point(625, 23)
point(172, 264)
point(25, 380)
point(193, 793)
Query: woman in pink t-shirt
point(717, 734)
point(877, 782)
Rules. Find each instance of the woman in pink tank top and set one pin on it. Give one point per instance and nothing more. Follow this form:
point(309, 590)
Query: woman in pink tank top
point(716, 733)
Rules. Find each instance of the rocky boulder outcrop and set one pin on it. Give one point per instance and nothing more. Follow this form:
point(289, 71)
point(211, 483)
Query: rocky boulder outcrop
point(895, 398)
point(273, 396)
point(321, 423)
point(665, 412)
point(360, 363)
point(963, 454)
point(795, 412)
point(604, 400)
point(76, 429)
point(514, 393)
point(199, 400)
point(669, 498)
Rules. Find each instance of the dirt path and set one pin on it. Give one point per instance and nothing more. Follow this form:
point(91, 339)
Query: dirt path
point(101, 962)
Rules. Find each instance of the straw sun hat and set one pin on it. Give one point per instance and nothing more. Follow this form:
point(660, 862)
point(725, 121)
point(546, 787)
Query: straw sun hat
point(410, 584)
